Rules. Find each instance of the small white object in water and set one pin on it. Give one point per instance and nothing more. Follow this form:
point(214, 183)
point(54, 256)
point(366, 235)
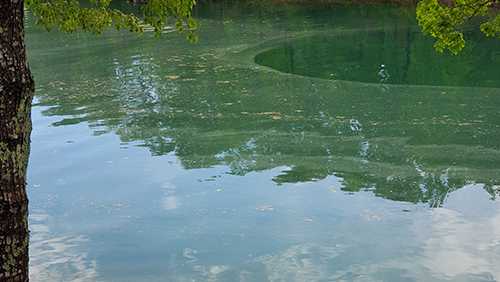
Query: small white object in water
point(383, 74)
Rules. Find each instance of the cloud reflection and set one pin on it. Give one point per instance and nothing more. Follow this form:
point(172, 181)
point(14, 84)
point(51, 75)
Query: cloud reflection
point(58, 258)
point(458, 246)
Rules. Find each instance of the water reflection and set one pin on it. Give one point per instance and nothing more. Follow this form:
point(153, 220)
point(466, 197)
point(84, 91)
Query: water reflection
point(450, 252)
point(241, 168)
point(403, 143)
point(57, 258)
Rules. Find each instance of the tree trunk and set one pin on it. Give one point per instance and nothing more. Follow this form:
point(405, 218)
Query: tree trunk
point(16, 94)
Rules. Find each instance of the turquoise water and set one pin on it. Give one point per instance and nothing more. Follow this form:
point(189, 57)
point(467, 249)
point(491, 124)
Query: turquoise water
point(159, 160)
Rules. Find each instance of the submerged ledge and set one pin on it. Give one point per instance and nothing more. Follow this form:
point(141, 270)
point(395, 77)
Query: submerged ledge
point(398, 56)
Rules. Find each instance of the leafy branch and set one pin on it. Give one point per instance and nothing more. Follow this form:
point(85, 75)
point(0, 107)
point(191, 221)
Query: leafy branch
point(97, 16)
point(446, 21)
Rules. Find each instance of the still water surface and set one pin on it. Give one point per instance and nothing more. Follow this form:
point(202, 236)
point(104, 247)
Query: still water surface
point(289, 144)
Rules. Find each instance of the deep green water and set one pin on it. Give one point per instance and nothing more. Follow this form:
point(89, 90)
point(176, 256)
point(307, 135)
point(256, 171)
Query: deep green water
point(277, 148)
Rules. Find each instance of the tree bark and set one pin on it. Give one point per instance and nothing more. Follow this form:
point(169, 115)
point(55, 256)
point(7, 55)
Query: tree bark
point(16, 94)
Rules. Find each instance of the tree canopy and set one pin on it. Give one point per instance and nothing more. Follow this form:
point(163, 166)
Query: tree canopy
point(446, 21)
point(98, 15)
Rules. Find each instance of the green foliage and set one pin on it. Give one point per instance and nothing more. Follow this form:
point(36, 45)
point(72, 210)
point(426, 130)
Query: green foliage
point(446, 22)
point(98, 15)
point(492, 27)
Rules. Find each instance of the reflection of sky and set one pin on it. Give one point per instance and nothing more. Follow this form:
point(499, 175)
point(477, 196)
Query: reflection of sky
point(57, 257)
point(460, 244)
point(133, 209)
point(114, 212)
point(458, 247)
point(453, 247)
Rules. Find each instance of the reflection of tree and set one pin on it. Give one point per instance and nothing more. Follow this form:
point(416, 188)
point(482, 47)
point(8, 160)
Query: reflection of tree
point(208, 112)
point(209, 123)
point(429, 188)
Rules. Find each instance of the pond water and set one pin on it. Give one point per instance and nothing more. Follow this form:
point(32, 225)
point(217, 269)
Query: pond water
point(271, 150)
point(402, 57)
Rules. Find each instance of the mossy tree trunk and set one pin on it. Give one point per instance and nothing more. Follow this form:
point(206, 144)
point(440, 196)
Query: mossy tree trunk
point(16, 94)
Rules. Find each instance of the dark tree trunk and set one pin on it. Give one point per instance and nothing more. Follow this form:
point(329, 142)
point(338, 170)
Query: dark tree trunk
point(16, 93)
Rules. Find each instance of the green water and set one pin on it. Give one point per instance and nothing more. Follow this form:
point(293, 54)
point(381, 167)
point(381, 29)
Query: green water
point(242, 158)
point(402, 56)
